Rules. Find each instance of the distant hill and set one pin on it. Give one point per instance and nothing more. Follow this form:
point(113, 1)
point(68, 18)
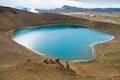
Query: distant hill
point(73, 8)
point(22, 8)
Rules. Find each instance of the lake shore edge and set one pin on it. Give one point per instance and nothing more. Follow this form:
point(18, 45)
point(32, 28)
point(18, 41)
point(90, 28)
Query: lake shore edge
point(71, 61)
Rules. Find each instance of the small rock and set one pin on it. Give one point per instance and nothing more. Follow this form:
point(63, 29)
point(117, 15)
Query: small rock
point(57, 61)
point(28, 60)
point(67, 65)
point(51, 61)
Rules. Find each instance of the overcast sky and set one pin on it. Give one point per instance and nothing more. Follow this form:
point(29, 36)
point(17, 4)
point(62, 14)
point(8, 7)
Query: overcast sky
point(50, 4)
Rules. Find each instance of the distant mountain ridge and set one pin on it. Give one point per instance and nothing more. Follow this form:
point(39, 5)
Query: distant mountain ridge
point(22, 8)
point(67, 8)
point(74, 8)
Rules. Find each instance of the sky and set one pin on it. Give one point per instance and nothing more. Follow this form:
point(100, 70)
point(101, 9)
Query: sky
point(51, 4)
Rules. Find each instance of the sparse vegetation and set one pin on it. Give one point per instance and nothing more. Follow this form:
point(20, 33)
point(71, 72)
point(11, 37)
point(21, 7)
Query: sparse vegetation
point(105, 67)
point(110, 17)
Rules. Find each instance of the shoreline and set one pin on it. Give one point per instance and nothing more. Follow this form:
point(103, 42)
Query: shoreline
point(93, 53)
point(94, 44)
point(30, 48)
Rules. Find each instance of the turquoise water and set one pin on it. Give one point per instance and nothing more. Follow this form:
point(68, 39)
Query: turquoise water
point(67, 42)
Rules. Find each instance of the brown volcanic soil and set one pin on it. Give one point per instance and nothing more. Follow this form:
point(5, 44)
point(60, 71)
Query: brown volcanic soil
point(13, 65)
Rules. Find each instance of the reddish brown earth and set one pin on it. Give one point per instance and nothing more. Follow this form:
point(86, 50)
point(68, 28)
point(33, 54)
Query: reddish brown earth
point(14, 58)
